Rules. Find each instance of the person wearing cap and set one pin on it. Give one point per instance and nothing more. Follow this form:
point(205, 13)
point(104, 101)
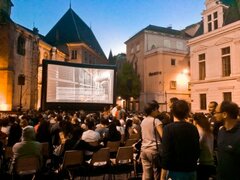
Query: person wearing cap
point(28, 146)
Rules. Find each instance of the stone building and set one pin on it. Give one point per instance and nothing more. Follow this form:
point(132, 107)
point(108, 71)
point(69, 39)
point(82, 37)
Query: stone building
point(22, 51)
point(214, 55)
point(161, 58)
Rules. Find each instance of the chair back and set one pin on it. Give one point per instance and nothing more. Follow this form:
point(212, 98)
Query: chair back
point(27, 165)
point(72, 158)
point(8, 152)
point(96, 143)
point(130, 142)
point(124, 155)
point(113, 146)
point(45, 149)
point(101, 157)
point(134, 136)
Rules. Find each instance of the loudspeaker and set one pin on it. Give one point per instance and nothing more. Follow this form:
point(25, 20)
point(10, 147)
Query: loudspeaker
point(21, 79)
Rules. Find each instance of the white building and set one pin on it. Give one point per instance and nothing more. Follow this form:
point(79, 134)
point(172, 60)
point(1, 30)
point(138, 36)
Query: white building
point(214, 55)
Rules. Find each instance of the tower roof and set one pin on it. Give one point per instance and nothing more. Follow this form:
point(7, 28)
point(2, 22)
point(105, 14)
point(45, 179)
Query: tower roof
point(72, 29)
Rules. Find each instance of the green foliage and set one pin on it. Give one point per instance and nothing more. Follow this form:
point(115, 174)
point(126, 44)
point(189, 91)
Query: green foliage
point(128, 82)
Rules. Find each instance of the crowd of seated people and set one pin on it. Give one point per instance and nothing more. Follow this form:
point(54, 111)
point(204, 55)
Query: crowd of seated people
point(90, 132)
point(62, 131)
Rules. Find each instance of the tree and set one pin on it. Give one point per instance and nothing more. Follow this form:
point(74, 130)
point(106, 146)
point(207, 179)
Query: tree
point(128, 83)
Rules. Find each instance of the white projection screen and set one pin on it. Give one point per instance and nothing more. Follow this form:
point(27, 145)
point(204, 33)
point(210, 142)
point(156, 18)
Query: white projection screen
point(77, 83)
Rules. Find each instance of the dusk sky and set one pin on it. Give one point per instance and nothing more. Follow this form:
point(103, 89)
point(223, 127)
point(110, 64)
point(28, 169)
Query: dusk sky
point(112, 21)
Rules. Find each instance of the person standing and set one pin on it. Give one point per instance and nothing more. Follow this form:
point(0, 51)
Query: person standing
point(228, 152)
point(215, 125)
point(151, 133)
point(180, 144)
point(206, 167)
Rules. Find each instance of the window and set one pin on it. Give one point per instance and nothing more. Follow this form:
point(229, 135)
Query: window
point(173, 62)
point(227, 96)
point(203, 101)
point(21, 45)
point(215, 15)
point(202, 66)
point(74, 54)
point(138, 47)
point(45, 55)
point(179, 45)
point(189, 86)
point(212, 21)
point(166, 43)
point(132, 50)
point(173, 84)
point(209, 17)
point(226, 62)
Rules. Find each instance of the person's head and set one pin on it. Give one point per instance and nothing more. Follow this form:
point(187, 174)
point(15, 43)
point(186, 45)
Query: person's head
point(23, 121)
point(90, 125)
point(151, 108)
point(180, 109)
point(212, 107)
point(112, 128)
point(28, 133)
point(171, 101)
point(201, 120)
point(226, 110)
point(77, 133)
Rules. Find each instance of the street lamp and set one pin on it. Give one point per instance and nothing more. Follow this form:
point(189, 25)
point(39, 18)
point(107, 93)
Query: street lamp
point(21, 82)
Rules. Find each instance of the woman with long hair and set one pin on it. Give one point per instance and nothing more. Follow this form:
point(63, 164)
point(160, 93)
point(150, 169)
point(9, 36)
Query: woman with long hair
point(206, 166)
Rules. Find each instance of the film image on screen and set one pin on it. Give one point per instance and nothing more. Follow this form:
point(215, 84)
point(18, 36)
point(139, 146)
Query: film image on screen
point(79, 84)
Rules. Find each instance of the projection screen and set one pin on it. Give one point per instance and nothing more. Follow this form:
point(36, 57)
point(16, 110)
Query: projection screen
point(78, 83)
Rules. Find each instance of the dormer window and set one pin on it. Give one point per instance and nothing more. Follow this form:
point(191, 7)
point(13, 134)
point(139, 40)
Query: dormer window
point(74, 54)
point(212, 21)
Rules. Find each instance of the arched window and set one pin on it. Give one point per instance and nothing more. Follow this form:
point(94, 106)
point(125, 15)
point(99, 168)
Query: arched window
point(45, 55)
point(21, 45)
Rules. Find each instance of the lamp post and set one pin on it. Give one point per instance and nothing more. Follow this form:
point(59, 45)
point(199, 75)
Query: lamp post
point(21, 82)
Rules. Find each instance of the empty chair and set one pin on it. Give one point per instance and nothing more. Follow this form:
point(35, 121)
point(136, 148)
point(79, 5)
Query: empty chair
point(124, 162)
point(100, 163)
point(72, 160)
point(113, 147)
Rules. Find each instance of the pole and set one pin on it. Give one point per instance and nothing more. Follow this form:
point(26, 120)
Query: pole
point(20, 98)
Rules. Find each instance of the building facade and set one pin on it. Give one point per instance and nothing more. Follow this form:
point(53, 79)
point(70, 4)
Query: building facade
point(160, 56)
point(22, 51)
point(214, 55)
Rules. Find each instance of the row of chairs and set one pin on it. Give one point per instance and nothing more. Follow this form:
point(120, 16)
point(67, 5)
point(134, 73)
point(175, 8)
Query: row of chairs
point(73, 159)
point(100, 163)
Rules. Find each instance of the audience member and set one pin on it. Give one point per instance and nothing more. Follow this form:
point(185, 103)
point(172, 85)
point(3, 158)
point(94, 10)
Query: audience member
point(228, 151)
point(151, 138)
point(206, 168)
point(180, 145)
point(27, 147)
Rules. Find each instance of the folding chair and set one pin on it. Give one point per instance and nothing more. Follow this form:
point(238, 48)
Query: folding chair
point(130, 142)
point(29, 165)
point(113, 147)
point(100, 163)
point(134, 136)
point(123, 162)
point(72, 160)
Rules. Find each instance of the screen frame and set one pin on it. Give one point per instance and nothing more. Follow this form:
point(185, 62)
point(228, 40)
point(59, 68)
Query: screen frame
point(73, 105)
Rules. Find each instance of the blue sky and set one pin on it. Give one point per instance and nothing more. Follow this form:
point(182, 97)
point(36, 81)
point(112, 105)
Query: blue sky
point(112, 21)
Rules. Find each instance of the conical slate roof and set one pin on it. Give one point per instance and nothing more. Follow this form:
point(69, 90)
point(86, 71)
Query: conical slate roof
point(72, 29)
